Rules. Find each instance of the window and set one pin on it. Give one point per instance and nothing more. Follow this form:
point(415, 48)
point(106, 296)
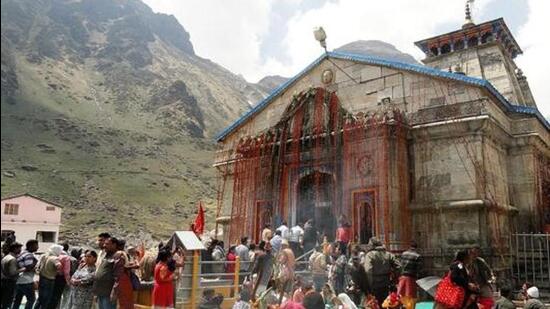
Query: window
point(487, 37)
point(50, 208)
point(45, 236)
point(11, 209)
point(6, 233)
point(445, 49)
point(459, 45)
point(472, 41)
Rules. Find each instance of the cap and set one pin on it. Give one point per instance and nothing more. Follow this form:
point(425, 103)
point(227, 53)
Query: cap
point(533, 292)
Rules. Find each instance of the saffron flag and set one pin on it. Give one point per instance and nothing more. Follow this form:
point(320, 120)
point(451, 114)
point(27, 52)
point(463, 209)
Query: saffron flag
point(198, 225)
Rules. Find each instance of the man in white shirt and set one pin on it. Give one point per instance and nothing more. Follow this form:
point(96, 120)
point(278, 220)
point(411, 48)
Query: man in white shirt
point(101, 238)
point(295, 239)
point(285, 231)
point(242, 252)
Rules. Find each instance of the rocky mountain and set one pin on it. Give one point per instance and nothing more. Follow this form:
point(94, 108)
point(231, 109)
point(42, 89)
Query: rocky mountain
point(377, 48)
point(107, 110)
point(269, 83)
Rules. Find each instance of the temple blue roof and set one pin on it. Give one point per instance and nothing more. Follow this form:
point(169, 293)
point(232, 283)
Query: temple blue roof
point(372, 60)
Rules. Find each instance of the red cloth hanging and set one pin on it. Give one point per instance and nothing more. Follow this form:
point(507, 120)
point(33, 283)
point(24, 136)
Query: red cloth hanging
point(198, 225)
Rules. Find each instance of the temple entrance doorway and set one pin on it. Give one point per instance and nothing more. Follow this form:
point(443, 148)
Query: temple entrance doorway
point(315, 201)
point(263, 215)
point(363, 221)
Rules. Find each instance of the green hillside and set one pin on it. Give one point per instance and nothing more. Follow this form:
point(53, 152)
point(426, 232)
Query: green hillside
point(107, 111)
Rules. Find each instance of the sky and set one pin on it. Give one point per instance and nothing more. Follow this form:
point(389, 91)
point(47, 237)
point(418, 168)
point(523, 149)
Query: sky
point(256, 38)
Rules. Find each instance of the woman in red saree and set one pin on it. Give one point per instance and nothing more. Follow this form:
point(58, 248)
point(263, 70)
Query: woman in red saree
point(123, 284)
point(163, 288)
point(230, 262)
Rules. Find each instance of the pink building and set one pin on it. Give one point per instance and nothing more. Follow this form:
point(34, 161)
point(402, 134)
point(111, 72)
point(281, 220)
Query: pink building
point(31, 217)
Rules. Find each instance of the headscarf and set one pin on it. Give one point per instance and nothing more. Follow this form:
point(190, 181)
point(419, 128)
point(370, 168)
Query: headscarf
point(55, 250)
point(347, 301)
point(533, 292)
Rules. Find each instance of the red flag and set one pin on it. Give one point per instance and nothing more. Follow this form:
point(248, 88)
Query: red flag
point(198, 225)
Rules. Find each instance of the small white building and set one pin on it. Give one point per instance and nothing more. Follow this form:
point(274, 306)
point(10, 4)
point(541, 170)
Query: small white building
point(31, 217)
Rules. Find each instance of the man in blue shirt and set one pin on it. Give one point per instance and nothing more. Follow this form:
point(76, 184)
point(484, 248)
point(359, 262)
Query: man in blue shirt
point(276, 242)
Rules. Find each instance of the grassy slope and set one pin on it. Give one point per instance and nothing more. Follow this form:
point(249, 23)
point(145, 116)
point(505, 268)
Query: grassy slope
point(114, 171)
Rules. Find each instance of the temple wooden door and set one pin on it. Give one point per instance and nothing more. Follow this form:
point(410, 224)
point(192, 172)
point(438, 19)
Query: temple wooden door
point(315, 201)
point(364, 214)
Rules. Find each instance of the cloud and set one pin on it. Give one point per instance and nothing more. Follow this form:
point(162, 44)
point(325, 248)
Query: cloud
point(258, 38)
point(399, 22)
point(227, 32)
point(535, 61)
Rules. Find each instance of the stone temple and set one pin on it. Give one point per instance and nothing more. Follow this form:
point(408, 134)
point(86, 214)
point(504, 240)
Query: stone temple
point(450, 154)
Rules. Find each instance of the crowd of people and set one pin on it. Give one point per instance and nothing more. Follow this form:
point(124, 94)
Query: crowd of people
point(348, 276)
point(72, 278)
point(344, 275)
point(470, 283)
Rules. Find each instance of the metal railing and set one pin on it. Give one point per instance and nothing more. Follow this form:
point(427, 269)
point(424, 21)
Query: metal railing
point(531, 258)
point(191, 284)
point(224, 283)
point(302, 265)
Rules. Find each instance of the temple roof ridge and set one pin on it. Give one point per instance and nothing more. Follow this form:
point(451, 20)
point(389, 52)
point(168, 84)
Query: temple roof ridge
point(374, 60)
point(497, 26)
